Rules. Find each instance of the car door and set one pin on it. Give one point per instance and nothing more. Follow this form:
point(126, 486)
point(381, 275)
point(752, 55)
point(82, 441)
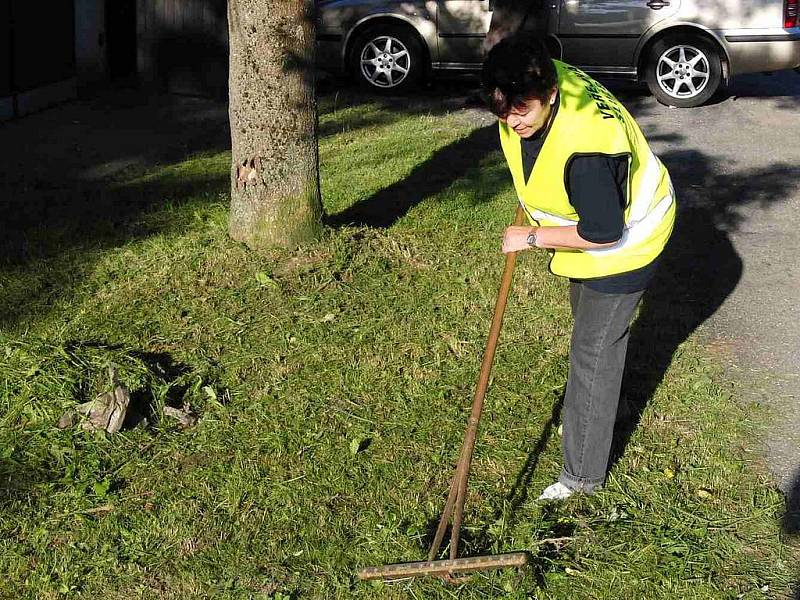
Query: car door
point(604, 33)
point(462, 26)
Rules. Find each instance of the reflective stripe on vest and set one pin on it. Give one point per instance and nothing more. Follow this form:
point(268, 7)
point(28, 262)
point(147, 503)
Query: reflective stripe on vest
point(647, 188)
point(633, 233)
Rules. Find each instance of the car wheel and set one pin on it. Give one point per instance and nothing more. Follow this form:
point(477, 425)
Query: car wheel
point(387, 59)
point(683, 71)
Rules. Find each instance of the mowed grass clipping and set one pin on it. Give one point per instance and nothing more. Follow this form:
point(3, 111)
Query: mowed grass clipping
point(333, 385)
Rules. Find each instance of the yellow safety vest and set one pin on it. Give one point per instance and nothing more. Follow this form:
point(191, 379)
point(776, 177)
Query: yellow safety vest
point(591, 121)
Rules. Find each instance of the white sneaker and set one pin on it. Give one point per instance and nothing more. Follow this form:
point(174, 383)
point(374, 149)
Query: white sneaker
point(557, 491)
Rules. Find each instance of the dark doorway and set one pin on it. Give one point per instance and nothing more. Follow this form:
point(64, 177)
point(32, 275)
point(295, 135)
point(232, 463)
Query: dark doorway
point(121, 38)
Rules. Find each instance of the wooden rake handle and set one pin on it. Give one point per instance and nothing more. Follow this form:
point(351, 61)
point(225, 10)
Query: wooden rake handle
point(458, 486)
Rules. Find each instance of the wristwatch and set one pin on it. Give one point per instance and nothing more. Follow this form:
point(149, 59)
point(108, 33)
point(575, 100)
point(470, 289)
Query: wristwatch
point(532, 238)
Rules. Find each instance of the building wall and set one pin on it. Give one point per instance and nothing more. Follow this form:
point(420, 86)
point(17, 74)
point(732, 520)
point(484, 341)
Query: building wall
point(6, 102)
point(33, 75)
point(37, 63)
point(183, 45)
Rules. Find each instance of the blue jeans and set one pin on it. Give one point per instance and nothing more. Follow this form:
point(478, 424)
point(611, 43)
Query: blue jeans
point(596, 363)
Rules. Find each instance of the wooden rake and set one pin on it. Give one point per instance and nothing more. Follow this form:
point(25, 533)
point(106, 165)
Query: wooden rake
point(454, 507)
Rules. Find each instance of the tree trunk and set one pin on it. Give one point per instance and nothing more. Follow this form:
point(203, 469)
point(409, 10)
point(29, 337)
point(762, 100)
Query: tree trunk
point(275, 195)
point(510, 16)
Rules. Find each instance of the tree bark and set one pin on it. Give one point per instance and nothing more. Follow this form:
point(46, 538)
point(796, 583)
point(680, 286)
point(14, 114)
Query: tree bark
point(275, 195)
point(510, 16)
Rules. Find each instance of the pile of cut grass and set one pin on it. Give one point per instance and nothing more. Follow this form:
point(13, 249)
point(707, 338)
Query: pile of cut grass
point(333, 384)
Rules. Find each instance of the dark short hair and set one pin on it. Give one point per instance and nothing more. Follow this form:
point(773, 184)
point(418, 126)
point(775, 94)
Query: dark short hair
point(517, 69)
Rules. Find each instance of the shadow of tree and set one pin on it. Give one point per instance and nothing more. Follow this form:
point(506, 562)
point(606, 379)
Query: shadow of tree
point(790, 522)
point(80, 177)
point(442, 169)
point(64, 224)
point(435, 98)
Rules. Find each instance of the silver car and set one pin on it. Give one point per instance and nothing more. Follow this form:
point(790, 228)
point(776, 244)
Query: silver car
point(683, 49)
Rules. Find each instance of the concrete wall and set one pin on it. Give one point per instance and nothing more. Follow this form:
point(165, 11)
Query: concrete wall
point(90, 42)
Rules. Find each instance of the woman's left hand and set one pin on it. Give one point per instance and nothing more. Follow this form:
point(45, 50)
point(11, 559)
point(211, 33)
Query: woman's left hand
point(515, 238)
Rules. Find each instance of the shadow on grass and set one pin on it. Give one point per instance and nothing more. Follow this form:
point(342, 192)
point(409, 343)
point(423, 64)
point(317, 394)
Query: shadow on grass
point(444, 168)
point(479, 541)
point(50, 244)
point(518, 494)
point(17, 479)
point(74, 181)
point(338, 98)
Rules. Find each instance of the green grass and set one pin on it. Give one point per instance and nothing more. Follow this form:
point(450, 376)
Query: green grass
point(333, 385)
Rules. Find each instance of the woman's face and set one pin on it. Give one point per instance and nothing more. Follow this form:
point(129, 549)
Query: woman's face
point(528, 119)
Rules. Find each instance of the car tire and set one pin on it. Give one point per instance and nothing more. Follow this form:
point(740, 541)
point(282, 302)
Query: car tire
point(387, 60)
point(683, 71)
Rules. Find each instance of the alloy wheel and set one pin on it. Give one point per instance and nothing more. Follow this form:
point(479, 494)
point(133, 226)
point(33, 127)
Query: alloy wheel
point(385, 62)
point(683, 71)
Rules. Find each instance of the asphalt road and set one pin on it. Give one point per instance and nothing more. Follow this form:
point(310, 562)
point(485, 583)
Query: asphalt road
point(736, 165)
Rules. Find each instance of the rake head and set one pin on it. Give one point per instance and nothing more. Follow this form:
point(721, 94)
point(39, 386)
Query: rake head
point(444, 568)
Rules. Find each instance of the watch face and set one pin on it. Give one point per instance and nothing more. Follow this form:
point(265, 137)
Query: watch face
point(531, 239)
